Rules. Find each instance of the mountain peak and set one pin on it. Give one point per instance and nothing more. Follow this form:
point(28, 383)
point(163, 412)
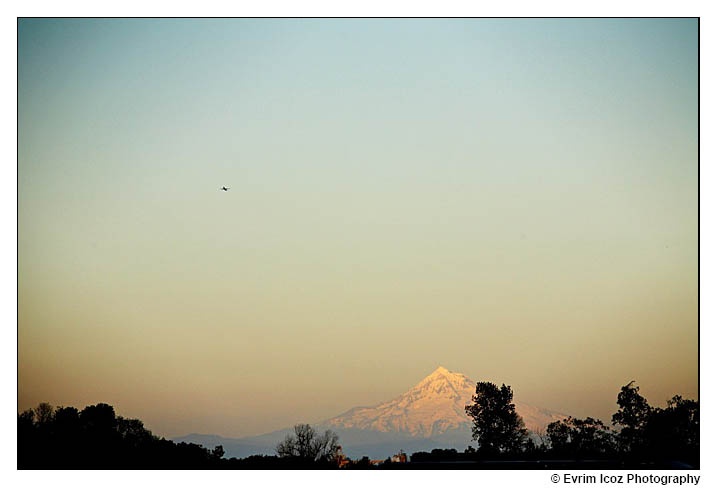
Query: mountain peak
point(454, 381)
point(432, 407)
point(442, 372)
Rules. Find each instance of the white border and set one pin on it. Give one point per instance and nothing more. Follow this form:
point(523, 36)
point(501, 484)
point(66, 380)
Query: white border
point(11, 477)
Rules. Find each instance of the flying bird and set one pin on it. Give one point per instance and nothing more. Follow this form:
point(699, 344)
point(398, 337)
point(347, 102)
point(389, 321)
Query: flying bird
point(224, 188)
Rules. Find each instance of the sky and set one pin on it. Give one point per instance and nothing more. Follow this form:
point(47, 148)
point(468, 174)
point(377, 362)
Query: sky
point(513, 199)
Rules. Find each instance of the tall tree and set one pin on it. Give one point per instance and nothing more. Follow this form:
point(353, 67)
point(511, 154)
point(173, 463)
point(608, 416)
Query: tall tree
point(497, 427)
point(633, 414)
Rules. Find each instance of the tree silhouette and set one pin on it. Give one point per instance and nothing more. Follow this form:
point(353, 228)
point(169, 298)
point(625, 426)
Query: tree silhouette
point(26, 419)
point(580, 437)
point(96, 438)
point(218, 452)
point(673, 432)
point(44, 414)
point(633, 413)
point(100, 417)
point(497, 427)
point(307, 446)
point(657, 434)
point(559, 435)
point(67, 419)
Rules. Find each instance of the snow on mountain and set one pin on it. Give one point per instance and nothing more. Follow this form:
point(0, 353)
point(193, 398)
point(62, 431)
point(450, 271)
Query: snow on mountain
point(432, 408)
point(430, 415)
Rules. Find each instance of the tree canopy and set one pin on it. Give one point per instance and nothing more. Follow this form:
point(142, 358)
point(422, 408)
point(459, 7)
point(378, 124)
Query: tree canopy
point(308, 445)
point(580, 437)
point(632, 415)
point(657, 433)
point(97, 438)
point(496, 425)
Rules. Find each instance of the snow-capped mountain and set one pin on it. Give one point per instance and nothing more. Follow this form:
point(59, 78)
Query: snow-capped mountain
point(432, 408)
point(430, 415)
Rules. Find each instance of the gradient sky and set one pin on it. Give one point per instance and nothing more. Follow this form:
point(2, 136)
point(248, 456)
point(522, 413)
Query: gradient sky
point(515, 200)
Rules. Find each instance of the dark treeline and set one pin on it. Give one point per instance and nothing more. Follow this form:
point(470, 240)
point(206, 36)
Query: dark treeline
point(640, 433)
point(640, 436)
point(97, 438)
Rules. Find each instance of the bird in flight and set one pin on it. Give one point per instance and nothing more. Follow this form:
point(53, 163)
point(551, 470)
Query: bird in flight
point(224, 188)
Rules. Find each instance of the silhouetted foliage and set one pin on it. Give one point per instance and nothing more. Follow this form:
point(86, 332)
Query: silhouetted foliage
point(536, 446)
point(647, 434)
point(218, 452)
point(497, 427)
point(64, 438)
point(308, 446)
point(658, 434)
point(632, 416)
point(674, 431)
point(559, 434)
point(44, 414)
point(437, 455)
point(582, 438)
point(97, 438)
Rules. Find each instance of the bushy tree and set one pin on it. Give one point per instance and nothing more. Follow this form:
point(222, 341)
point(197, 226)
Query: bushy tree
point(658, 434)
point(67, 418)
point(559, 435)
point(580, 437)
point(218, 452)
point(673, 432)
point(496, 425)
point(307, 445)
point(26, 419)
point(100, 417)
point(44, 414)
point(633, 413)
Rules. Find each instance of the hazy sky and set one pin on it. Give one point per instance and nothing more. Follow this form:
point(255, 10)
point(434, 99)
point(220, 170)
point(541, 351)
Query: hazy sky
point(515, 200)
